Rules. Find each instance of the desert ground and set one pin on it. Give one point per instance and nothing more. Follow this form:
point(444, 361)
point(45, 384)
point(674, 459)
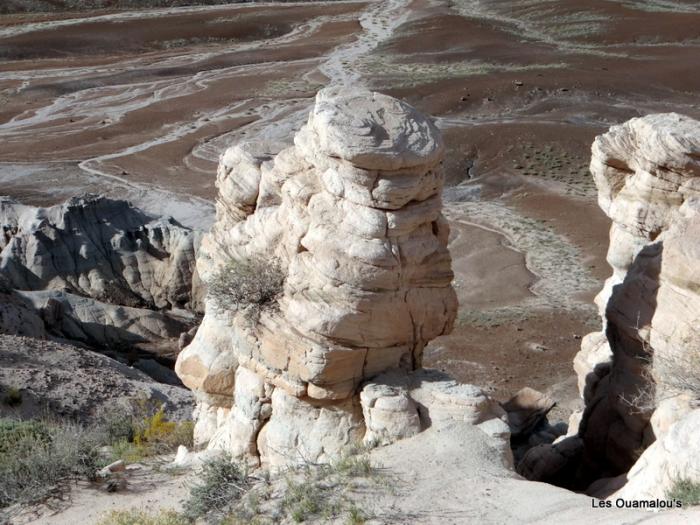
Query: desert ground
point(140, 104)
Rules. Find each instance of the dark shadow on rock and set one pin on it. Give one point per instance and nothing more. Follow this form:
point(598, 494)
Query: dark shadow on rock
point(613, 432)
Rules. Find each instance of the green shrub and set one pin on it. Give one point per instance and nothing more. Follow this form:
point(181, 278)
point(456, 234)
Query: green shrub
point(685, 491)
point(248, 286)
point(37, 459)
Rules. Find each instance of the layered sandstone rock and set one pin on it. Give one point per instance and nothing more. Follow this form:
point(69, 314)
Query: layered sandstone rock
point(352, 215)
point(640, 375)
point(98, 271)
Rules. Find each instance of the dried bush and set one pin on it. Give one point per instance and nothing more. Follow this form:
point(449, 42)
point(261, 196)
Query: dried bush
point(665, 376)
point(679, 373)
point(249, 286)
point(222, 484)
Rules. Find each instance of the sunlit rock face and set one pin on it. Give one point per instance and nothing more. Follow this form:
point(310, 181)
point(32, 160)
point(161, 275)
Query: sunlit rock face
point(636, 374)
point(101, 248)
point(98, 271)
point(352, 214)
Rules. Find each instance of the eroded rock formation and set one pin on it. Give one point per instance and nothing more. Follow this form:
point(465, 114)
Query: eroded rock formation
point(98, 271)
point(352, 213)
point(100, 248)
point(640, 375)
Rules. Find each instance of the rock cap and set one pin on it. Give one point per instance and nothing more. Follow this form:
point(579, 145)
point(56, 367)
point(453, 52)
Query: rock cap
point(370, 130)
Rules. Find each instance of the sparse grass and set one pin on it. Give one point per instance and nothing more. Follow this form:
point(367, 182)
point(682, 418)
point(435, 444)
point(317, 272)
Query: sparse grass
point(552, 163)
point(685, 491)
point(403, 72)
point(322, 491)
point(532, 21)
point(142, 517)
point(42, 6)
point(295, 87)
point(249, 286)
point(228, 494)
point(662, 6)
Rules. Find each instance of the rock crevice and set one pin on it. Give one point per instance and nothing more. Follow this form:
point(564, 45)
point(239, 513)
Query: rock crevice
point(639, 376)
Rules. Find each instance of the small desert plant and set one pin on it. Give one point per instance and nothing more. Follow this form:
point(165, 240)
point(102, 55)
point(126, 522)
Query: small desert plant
point(222, 484)
point(141, 517)
point(37, 458)
point(355, 516)
point(685, 491)
point(249, 286)
point(12, 397)
point(321, 491)
point(146, 433)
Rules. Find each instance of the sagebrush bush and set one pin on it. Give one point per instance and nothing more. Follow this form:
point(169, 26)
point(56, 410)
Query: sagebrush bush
point(249, 286)
point(37, 459)
point(685, 491)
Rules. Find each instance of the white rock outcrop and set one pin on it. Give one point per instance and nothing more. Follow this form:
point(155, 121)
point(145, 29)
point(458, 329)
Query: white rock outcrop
point(100, 248)
point(98, 271)
point(640, 375)
point(352, 214)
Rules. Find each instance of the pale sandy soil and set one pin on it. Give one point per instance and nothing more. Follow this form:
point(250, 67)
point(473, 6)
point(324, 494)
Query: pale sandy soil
point(446, 475)
point(147, 489)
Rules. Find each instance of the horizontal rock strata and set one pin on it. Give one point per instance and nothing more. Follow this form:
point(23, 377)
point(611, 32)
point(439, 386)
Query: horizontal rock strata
point(351, 213)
